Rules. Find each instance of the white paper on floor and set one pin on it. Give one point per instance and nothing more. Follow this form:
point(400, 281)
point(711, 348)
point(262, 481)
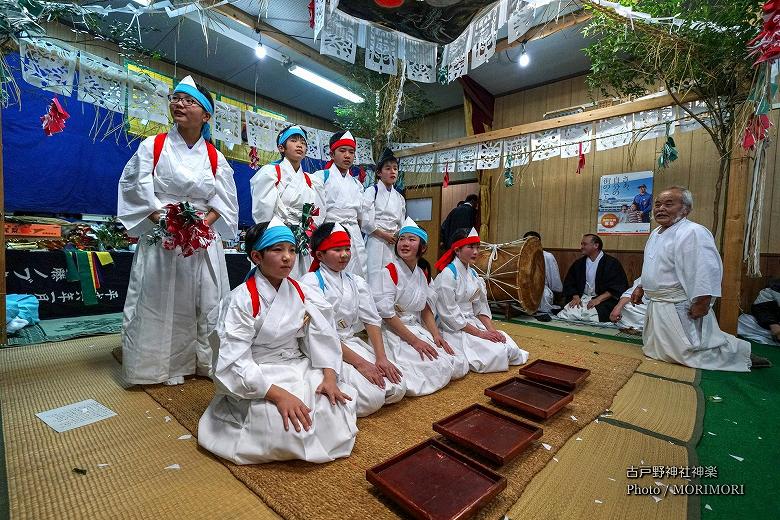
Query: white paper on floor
point(173, 466)
point(185, 437)
point(75, 415)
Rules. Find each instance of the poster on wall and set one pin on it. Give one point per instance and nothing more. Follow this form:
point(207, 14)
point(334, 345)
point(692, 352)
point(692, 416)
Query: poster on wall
point(625, 203)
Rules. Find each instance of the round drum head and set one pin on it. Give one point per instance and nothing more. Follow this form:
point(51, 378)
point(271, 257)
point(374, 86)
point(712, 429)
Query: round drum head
point(516, 272)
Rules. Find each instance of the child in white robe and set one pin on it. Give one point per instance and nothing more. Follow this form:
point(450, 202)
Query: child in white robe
point(169, 296)
point(366, 367)
point(342, 197)
point(384, 218)
point(276, 363)
point(463, 311)
point(284, 190)
point(412, 340)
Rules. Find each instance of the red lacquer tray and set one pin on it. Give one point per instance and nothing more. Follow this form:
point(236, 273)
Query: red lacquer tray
point(493, 435)
point(566, 376)
point(432, 481)
point(534, 398)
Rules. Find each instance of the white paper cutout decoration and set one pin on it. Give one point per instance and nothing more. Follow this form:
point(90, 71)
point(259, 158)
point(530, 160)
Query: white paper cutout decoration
point(226, 125)
point(101, 83)
point(48, 66)
point(517, 150)
point(572, 136)
point(489, 155)
point(544, 144)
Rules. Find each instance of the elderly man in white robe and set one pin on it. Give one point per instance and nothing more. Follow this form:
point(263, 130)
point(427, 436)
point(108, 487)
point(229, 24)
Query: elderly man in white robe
point(681, 276)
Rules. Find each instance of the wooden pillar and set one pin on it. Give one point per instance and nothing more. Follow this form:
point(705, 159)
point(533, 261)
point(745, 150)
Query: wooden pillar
point(734, 238)
point(3, 330)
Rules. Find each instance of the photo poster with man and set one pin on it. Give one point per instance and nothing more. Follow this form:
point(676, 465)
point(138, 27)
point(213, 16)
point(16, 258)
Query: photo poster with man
point(625, 203)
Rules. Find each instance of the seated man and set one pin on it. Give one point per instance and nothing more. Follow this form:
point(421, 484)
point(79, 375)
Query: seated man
point(593, 284)
point(763, 323)
point(681, 275)
point(552, 281)
point(628, 317)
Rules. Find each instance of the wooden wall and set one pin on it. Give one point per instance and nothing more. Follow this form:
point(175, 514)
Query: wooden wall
point(549, 196)
point(109, 51)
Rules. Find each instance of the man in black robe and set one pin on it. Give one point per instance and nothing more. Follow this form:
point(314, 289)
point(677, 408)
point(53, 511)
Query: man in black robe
point(594, 282)
point(464, 216)
point(766, 309)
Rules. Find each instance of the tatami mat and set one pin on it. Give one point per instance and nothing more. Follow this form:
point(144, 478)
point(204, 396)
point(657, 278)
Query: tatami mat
point(665, 407)
point(137, 445)
point(589, 479)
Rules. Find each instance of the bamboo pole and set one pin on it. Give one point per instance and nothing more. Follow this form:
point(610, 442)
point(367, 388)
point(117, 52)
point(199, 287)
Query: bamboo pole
point(734, 237)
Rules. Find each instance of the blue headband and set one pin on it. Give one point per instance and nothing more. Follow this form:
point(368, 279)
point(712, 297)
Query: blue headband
point(293, 130)
point(273, 236)
point(202, 100)
point(414, 231)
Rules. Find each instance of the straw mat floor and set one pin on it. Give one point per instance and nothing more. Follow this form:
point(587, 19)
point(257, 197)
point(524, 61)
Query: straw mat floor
point(137, 445)
point(299, 490)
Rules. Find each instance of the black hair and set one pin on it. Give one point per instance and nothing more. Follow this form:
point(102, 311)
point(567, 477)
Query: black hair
point(283, 130)
point(532, 234)
point(596, 240)
point(320, 234)
point(459, 234)
point(203, 90)
point(472, 199)
point(253, 234)
point(335, 137)
point(425, 265)
point(420, 248)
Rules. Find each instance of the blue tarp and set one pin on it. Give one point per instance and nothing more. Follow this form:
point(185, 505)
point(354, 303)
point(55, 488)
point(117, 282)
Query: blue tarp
point(71, 172)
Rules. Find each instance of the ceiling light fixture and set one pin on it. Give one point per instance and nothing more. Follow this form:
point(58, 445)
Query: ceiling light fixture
point(260, 51)
point(525, 59)
point(324, 83)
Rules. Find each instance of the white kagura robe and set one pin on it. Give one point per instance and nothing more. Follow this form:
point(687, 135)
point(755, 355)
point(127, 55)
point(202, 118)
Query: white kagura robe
point(386, 211)
point(343, 202)
point(287, 345)
point(633, 316)
point(461, 297)
point(407, 300)
point(552, 283)
point(681, 264)
point(285, 198)
point(169, 297)
point(353, 306)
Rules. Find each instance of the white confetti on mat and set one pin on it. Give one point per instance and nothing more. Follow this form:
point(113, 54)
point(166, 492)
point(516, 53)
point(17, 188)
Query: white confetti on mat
point(173, 466)
point(735, 457)
point(573, 418)
point(185, 437)
point(657, 499)
point(612, 479)
point(644, 409)
point(555, 459)
point(578, 439)
point(707, 507)
point(598, 501)
point(547, 446)
point(102, 465)
point(760, 438)
point(712, 433)
point(167, 418)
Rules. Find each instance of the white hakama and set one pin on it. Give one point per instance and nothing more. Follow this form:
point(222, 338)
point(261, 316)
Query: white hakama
point(343, 202)
point(681, 264)
point(632, 317)
point(552, 283)
point(286, 198)
point(386, 210)
point(165, 324)
point(354, 307)
point(288, 344)
point(461, 297)
point(407, 300)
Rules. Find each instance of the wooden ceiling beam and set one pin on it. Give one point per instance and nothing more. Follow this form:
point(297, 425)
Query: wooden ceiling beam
point(543, 30)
